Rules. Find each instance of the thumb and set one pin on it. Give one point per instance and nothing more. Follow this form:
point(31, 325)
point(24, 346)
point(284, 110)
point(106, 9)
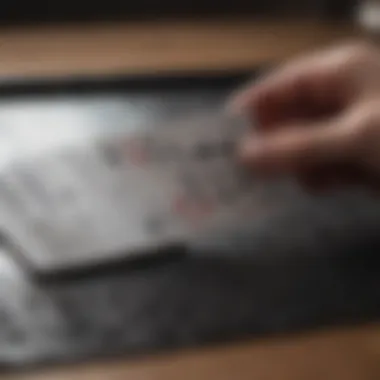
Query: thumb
point(295, 147)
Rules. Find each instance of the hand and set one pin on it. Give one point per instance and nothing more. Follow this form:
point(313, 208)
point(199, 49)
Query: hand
point(317, 118)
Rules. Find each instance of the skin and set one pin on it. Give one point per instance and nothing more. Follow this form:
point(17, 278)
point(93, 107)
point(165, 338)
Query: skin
point(317, 118)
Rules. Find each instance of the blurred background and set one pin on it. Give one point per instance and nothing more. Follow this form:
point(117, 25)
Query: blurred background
point(294, 294)
point(45, 11)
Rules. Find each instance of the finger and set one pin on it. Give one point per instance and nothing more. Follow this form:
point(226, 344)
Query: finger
point(328, 177)
point(296, 148)
point(289, 92)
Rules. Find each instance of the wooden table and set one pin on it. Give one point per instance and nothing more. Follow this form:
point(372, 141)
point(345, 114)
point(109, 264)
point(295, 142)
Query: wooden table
point(158, 47)
point(146, 48)
point(350, 354)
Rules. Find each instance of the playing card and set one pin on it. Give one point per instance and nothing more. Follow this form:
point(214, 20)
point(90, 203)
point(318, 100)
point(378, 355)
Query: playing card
point(73, 194)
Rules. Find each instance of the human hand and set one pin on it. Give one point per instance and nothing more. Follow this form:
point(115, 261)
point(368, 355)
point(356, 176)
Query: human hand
point(318, 119)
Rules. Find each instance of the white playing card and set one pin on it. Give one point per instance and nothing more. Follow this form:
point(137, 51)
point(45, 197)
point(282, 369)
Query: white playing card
point(82, 196)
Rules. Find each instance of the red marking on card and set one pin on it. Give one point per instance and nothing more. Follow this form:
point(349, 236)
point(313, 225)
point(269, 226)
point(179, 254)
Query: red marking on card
point(181, 205)
point(198, 214)
point(206, 208)
point(192, 211)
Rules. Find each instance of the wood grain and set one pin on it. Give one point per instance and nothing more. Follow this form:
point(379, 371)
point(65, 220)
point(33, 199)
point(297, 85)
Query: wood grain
point(352, 354)
point(149, 47)
point(146, 48)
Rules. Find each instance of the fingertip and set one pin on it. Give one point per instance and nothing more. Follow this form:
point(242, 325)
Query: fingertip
point(257, 156)
point(238, 104)
point(248, 150)
point(244, 98)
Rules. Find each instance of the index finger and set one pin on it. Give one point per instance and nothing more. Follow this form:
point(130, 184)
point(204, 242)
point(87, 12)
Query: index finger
point(300, 89)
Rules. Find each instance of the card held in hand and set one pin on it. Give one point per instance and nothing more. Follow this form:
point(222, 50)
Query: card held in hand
point(73, 195)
